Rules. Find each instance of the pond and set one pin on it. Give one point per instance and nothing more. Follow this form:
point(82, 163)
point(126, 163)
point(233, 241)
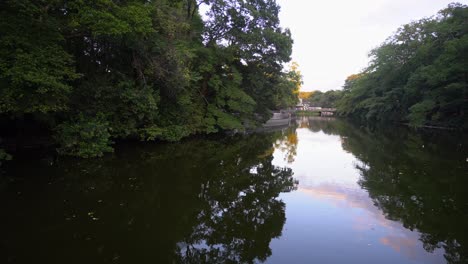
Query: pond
point(322, 191)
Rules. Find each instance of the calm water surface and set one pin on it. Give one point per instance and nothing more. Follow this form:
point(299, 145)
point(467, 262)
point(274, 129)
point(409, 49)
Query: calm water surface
point(323, 191)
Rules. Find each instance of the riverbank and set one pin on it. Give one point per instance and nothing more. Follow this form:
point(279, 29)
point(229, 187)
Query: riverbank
point(43, 146)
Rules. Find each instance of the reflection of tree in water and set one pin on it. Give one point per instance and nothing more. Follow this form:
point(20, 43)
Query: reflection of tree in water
point(417, 179)
point(423, 186)
point(198, 201)
point(241, 212)
point(287, 143)
point(288, 140)
point(241, 215)
point(328, 125)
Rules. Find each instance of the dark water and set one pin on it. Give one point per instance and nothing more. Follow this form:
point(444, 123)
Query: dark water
point(322, 192)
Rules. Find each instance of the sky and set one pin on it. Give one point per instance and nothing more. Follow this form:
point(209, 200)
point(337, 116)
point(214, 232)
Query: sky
point(332, 38)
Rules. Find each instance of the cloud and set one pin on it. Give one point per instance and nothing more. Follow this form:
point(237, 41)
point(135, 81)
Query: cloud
point(332, 38)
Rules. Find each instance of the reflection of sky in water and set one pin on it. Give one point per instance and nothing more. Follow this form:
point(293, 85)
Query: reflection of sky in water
point(330, 219)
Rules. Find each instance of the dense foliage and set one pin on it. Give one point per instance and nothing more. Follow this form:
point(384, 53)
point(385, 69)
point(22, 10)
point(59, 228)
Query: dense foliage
point(417, 76)
point(326, 99)
point(92, 71)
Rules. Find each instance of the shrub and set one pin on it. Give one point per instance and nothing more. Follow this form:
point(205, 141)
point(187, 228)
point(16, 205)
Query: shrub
point(85, 137)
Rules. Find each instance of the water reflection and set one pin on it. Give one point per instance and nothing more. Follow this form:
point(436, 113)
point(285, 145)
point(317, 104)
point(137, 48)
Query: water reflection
point(212, 201)
point(287, 144)
point(388, 188)
point(420, 181)
point(363, 196)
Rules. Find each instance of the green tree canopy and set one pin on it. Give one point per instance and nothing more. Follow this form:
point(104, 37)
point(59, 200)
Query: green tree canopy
point(141, 69)
point(418, 76)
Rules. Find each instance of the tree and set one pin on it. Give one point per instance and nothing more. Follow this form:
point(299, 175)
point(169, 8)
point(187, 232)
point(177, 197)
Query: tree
point(417, 76)
point(35, 69)
point(326, 99)
point(149, 70)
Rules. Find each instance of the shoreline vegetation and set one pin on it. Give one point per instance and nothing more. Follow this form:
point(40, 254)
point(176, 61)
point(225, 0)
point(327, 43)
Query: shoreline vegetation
point(418, 77)
point(87, 73)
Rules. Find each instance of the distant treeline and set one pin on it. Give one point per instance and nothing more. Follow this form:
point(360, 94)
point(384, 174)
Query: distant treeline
point(327, 99)
point(87, 72)
point(417, 76)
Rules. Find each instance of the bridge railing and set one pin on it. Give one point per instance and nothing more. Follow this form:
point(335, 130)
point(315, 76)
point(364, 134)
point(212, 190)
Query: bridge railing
point(318, 109)
point(328, 109)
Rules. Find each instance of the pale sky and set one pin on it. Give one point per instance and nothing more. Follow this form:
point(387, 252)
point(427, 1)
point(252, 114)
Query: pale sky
point(332, 38)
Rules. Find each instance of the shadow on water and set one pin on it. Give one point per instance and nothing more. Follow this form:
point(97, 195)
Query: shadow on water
point(201, 201)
